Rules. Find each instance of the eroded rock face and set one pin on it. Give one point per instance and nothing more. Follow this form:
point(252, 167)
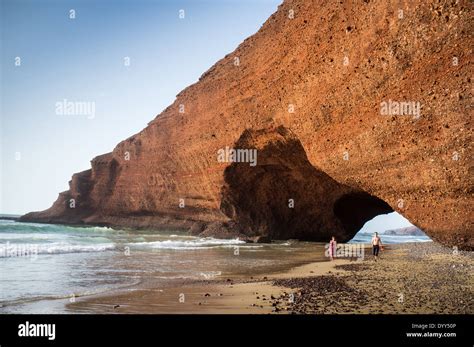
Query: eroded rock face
point(308, 95)
point(284, 196)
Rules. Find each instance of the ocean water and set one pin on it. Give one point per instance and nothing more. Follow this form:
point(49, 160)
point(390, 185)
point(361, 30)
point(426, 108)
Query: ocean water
point(46, 263)
point(362, 237)
point(42, 262)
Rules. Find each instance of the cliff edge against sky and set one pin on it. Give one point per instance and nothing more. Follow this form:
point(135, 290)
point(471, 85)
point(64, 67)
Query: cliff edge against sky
point(355, 109)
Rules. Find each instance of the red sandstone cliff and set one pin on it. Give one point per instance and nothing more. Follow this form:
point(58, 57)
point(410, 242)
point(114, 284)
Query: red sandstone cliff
point(339, 159)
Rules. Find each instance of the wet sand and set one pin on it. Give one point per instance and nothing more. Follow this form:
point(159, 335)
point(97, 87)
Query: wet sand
point(408, 278)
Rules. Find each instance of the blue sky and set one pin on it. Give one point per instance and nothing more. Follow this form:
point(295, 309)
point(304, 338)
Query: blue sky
point(385, 222)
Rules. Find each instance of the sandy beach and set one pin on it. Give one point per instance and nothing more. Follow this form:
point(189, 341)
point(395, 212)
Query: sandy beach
point(408, 278)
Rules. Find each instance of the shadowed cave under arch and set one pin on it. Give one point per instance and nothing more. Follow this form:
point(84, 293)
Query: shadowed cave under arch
point(355, 209)
point(285, 197)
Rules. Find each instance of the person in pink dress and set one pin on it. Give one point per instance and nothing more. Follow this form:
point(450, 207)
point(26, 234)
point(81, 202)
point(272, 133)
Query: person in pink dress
point(332, 248)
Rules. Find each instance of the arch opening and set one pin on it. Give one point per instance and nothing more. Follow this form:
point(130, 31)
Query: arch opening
point(355, 209)
point(392, 227)
point(285, 197)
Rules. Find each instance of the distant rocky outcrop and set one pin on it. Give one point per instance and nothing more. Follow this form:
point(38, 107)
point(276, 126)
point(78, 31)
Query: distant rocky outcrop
point(408, 231)
point(356, 108)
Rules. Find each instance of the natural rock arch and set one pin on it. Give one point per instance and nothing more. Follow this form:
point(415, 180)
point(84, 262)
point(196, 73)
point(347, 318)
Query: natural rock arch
point(355, 209)
point(292, 72)
point(285, 197)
